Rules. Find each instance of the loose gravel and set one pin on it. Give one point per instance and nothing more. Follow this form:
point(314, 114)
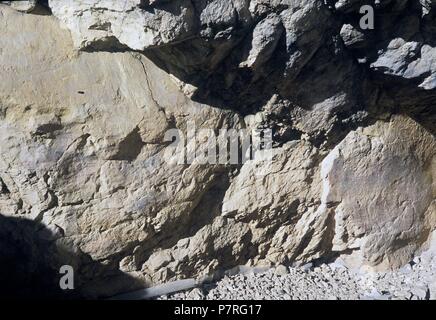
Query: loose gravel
point(415, 281)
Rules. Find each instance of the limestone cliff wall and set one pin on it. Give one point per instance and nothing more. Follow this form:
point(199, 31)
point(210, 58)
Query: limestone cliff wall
point(90, 89)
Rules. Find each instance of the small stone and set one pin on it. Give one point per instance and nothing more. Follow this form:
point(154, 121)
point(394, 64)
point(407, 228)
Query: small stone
point(195, 294)
point(158, 260)
point(24, 5)
point(307, 267)
point(281, 270)
point(420, 292)
point(432, 291)
point(407, 268)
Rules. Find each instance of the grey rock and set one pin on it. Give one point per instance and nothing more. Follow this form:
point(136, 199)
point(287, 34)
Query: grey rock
point(281, 270)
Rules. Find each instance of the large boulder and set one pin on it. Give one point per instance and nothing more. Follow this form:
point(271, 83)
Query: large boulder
point(379, 187)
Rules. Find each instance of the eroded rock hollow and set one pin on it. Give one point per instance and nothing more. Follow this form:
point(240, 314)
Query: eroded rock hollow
point(89, 90)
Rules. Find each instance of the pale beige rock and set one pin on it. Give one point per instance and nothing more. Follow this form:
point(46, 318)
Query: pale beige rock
point(273, 196)
point(83, 152)
point(82, 148)
point(379, 184)
point(127, 23)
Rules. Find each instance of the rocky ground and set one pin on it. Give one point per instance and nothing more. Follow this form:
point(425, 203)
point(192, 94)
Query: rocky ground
point(415, 281)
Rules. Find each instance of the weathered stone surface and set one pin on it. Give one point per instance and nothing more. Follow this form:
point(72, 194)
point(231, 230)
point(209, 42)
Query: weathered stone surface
point(83, 151)
point(25, 6)
point(378, 183)
point(240, 53)
point(88, 93)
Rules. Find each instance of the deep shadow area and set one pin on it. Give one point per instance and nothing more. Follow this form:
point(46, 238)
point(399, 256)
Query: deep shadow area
point(25, 268)
point(42, 8)
point(30, 261)
point(406, 97)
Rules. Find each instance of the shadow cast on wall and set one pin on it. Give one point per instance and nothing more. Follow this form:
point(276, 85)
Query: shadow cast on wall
point(30, 261)
point(25, 269)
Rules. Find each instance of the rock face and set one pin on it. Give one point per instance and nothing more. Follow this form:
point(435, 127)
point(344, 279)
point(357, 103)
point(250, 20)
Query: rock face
point(240, 53)
point(24, 6)
point(90, 90)
point(374, 172)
